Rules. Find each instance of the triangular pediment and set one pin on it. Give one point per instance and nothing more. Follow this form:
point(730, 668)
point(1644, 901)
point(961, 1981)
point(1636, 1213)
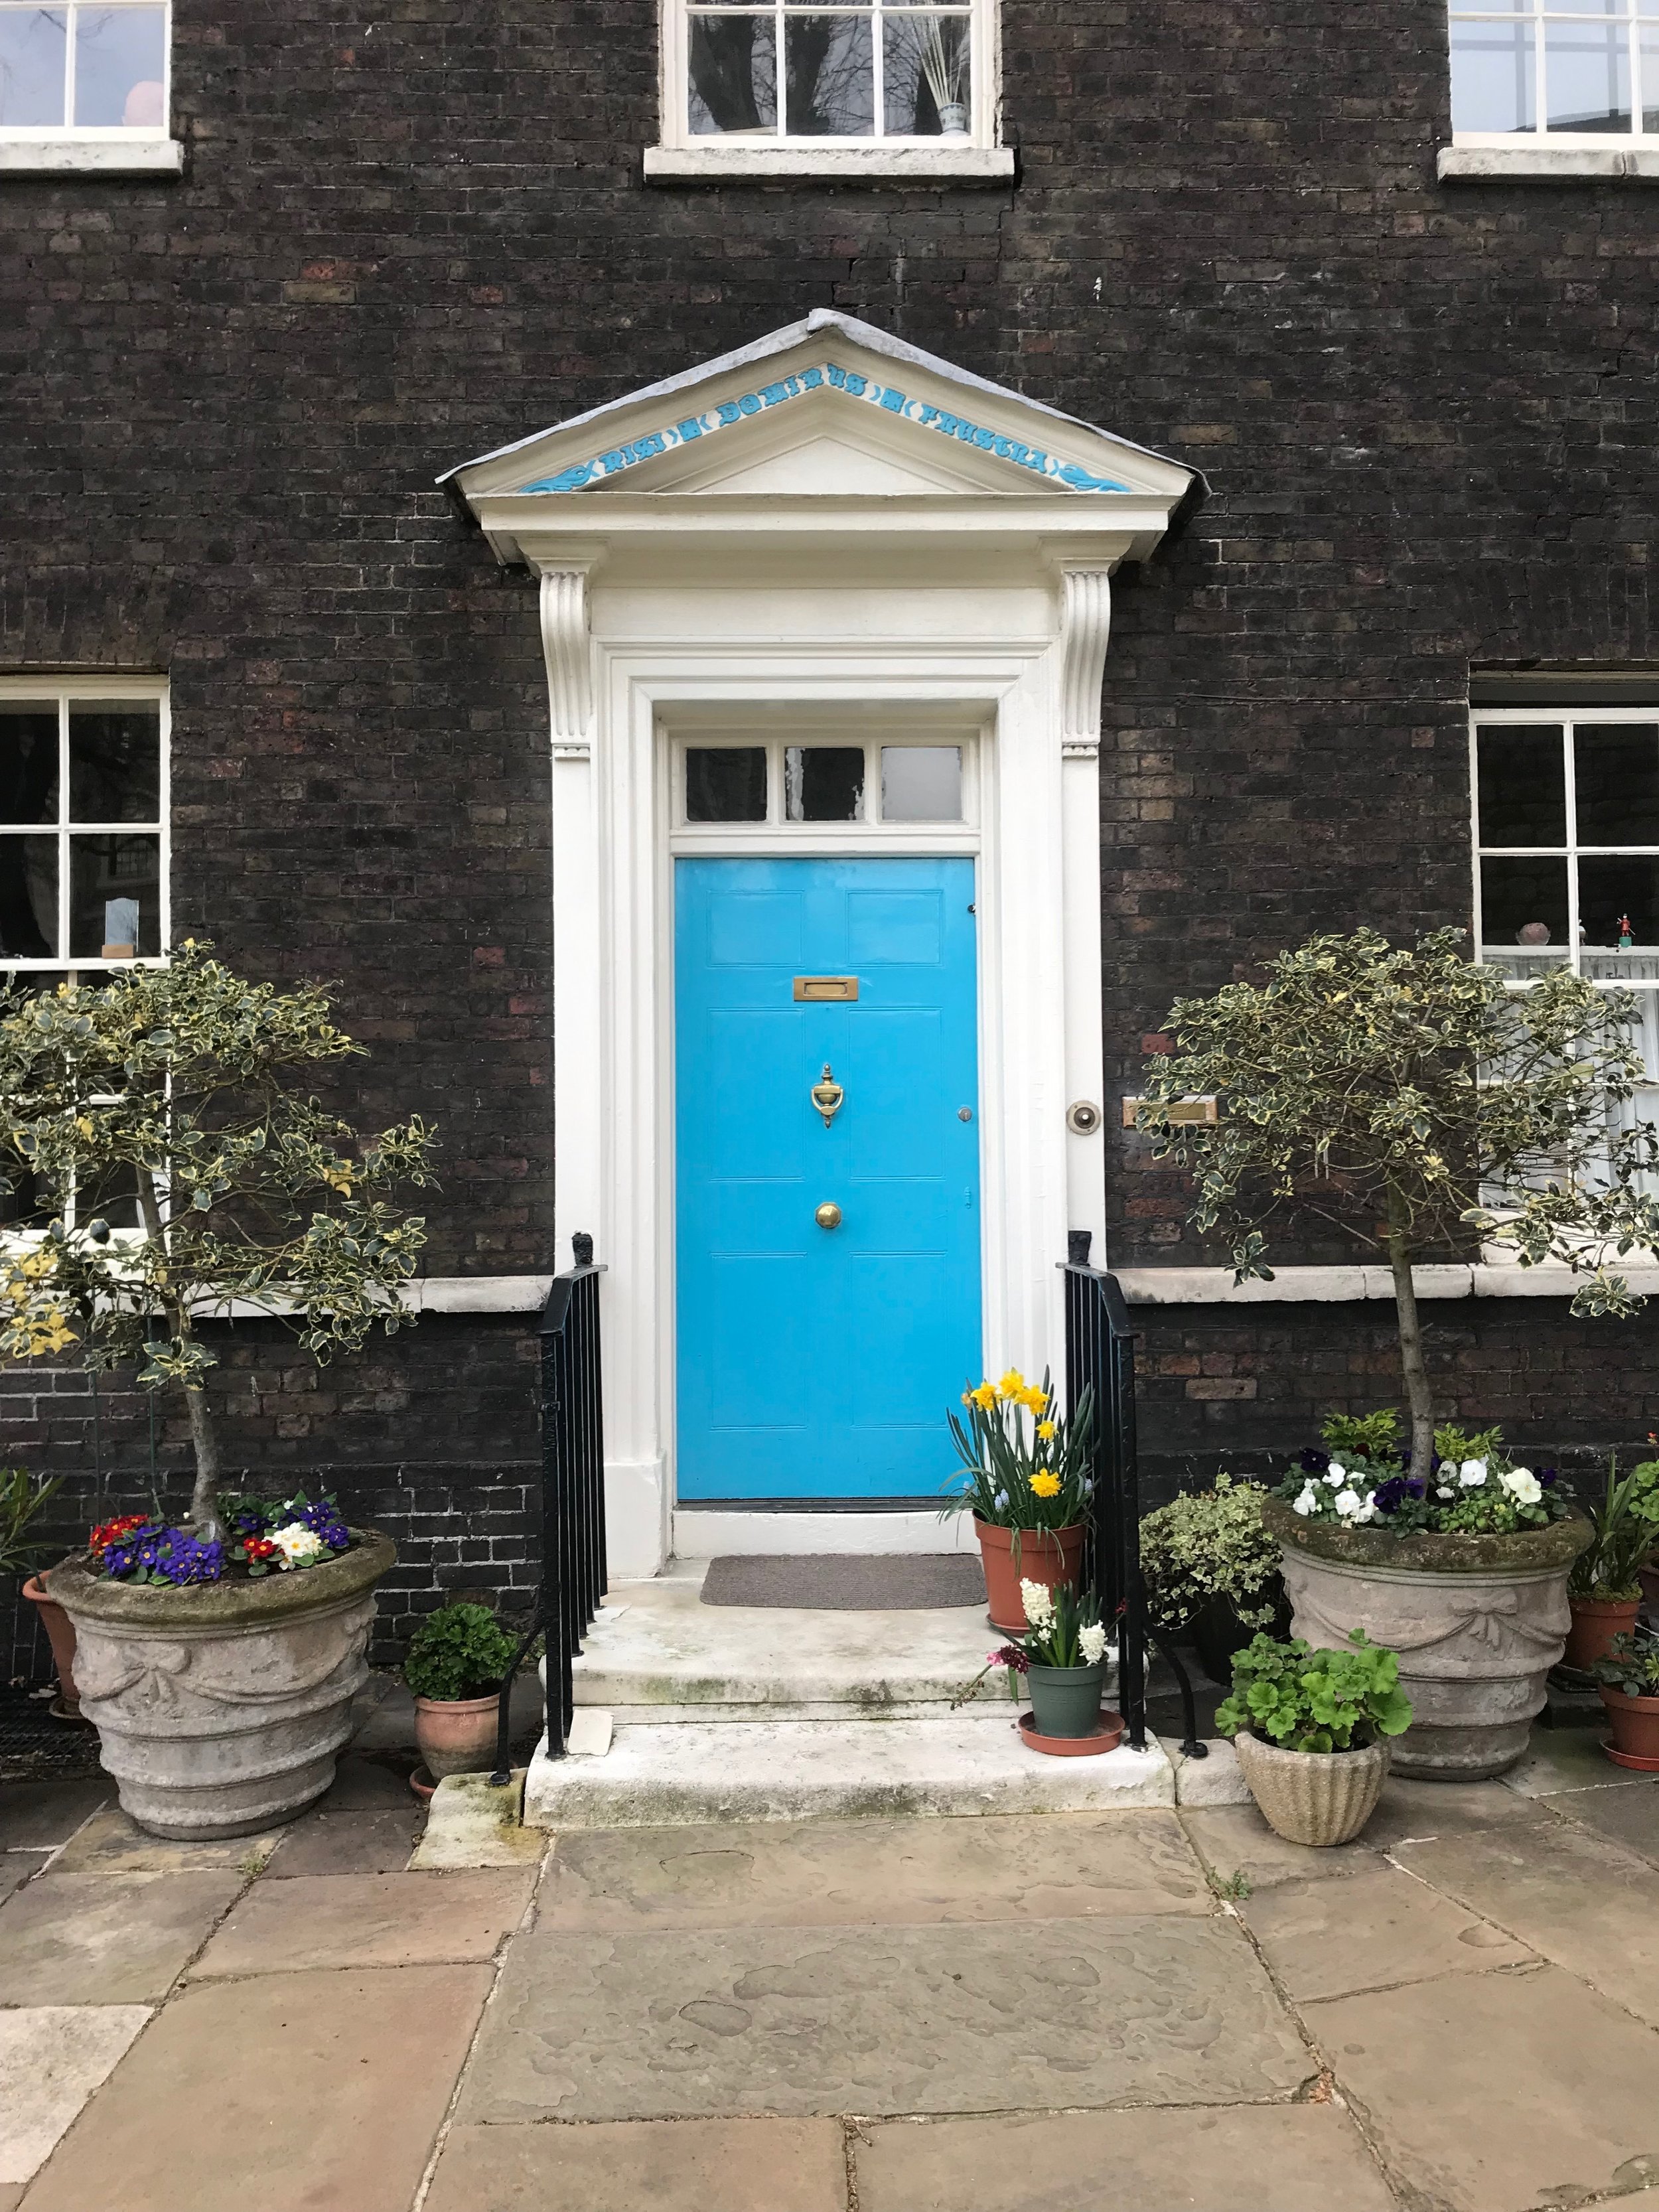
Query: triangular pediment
point(828, 407)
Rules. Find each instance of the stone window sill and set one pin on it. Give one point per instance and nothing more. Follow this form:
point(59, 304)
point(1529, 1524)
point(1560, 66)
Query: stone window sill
point(722, 161)
point(123, 154)
point(1496, 165)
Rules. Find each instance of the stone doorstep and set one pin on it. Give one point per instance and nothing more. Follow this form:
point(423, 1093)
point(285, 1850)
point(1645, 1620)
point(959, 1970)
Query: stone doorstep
point(764, 1769)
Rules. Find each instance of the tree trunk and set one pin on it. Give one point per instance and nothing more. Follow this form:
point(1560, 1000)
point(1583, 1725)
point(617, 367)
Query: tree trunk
point(1419, 1396)
point(205, 1497)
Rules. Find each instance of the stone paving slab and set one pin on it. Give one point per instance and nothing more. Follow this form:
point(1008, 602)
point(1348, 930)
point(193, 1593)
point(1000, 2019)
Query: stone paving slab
point(52, 2059)
point(1590, 1905)
point(40, 1816)
point(645, 2165)
point(366, 1920)
point(1628, 1813)
point(1563, 1758)
point(472, 1822)
point(74, 1939)
point(1235, 1839)
point(1492, 2091)
point(880, 2020)
point(320, 2090)
point(1057, 1866)
point(1324, 1939)
point(16, 1866)
point(112, 1842)
point(361, 1785)
point(1297, 2158)
point(347, 1842)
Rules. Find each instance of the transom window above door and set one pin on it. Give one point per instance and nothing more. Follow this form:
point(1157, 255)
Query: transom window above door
point(1570, 72)
point(732, 784)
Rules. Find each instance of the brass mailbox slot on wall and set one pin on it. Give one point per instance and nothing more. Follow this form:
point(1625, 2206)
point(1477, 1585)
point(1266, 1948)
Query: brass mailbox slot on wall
point(1178, 1110)
point(842, 987)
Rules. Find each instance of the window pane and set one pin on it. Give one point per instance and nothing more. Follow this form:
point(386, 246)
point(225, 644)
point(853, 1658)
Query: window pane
point(925, 83)
point(29, 897)
point(1617, 773)
point(1492, 77)
point(1520, 900)
point(1648, 33)
point(823, 783)
point(1589, 77)
point(115, 762)
point(1522, 785)
point(831, 76)
point(28, 762)
point(733, 66)
point(120, 67)
point(725, 783)
point(34, 50)
point(1614, 891)
point(922, 783)
point(107, 876)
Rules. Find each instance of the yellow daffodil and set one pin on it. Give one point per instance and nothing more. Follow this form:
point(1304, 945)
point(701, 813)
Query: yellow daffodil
point(1012, 1384)
point(1034, 1400)
point(1046, 1430)
point(985, 1397)
point(1044, 1485)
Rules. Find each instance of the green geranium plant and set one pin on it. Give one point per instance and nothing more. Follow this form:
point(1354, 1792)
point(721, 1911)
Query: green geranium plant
point(1411, 1097)
point(1209, 1544)
point(1306, 1700)
point(183, 1087)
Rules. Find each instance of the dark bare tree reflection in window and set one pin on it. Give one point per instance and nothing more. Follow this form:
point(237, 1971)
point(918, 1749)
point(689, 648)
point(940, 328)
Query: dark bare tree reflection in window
point(732, 64)
point(830, 74)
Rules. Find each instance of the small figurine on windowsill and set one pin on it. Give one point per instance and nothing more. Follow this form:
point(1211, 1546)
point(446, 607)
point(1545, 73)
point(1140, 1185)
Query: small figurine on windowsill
point(1533, 932)
point(1626, 936)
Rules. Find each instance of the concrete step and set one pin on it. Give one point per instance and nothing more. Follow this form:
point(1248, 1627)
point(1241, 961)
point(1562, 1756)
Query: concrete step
point(948, 1764)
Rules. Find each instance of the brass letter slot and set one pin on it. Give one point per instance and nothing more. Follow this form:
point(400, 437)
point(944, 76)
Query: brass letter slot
point(1178, 1110)
point(826, 987)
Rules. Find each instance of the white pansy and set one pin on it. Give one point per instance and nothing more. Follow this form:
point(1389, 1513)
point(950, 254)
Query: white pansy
point(1038, 1600)
point(1307, 1501)
point(1348, 1503)
point(298, 1544)
point(1472, 1474)
point(1336, 1472)
point(1092, 1641)
point(1441, 1490)
point(1522, 1485)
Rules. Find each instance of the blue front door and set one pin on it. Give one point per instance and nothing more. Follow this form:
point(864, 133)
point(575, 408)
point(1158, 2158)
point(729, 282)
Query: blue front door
point(818, 1362)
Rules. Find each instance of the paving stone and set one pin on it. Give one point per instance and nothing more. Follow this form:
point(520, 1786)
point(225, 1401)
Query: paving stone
point(110, 1842)
point(11, 2196)
point(52, 2059)
point(391, 1725)
point(347, 1842)
point(1590, 1904)
point(1299, 2158)
point(1323, 1939)
point(1490, 2091)
point(833, 1874)
point(1234, 1840)
point(1562, 1759)
point(16, 1866)
point(319, 2090)
point(37, 1816)
point(471, 1822)
point(369, 1784)
point(644, 2165)
point(1409, 1808)
point(880, 2020)
point(366, 1920)
point(1628, 1813)
point(72, 1939)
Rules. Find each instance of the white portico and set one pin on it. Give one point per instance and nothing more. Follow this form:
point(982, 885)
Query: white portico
point(826, 533)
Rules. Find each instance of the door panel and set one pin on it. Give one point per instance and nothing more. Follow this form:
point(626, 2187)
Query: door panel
point(815, 1363)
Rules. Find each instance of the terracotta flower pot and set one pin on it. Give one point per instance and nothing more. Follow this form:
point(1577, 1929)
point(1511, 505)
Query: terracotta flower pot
point(1595, 1622)
point(1066, 1700)
point(1011, 1556)
point(60, 1634)
point(457, 1735)
point(1319, 1797)
point(1635, 1725)
point(1648, 1575)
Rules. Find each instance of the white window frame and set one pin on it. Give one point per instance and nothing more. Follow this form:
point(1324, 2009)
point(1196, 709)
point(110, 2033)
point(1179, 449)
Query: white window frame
point(112, 147)
point(979, 157)
point(63, 692)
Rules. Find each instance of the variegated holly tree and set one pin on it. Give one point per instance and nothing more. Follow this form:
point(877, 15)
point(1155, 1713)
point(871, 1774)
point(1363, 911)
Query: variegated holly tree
point(1414, 1099)
point(180, 1093)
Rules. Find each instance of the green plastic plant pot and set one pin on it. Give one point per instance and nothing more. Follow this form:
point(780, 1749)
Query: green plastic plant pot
point(1066, 1700)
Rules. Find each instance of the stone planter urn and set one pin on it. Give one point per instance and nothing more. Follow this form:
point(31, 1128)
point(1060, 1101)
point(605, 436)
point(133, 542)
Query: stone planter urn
point(221, 1706)
point(1476, 1621)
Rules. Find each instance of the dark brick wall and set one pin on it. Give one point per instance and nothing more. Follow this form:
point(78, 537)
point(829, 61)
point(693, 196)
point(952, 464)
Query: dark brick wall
point(1426, 413)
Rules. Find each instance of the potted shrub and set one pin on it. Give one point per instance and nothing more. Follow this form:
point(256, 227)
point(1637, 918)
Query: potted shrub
point(1409, 1097)
point(458, 1660)
point(1061, 1657)
point(21, 1498)
point(1212, 1568)
point(1312, 1729)
point(1027, 1486)
point(217, 1656)
point(1628, 1678)
point(1604, 1590)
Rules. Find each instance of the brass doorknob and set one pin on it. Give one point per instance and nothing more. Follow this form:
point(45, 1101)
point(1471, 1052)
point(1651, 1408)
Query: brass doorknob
point(828, 1216)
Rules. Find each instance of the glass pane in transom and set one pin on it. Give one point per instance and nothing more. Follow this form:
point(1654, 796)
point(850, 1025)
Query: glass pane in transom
point(1493, 75)
point(1588, 72)
point(115, 885)
point(925, 89)
point(120, 68)
point(115, 761)
point(725, 783)
point(1618, 898)
point(1522, 784)
point(1616, 770)
point(29, 898)
point(823, 783)
point(28, 760)
point(922, 783)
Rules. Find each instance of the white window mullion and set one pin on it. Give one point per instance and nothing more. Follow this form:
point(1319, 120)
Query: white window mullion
point(1633, 35)
point(164, 834)
point(63, 827)
point(878, 65)
point(68, 67)
point(1569, 770)
point(1540, 73)
point(781, 70)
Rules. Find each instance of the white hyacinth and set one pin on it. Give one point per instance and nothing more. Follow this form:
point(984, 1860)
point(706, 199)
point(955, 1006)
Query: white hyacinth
point(298, 1544)
point(1472, 1474)
point(1522, 1485)
point(1038, 1600)
point(1091, 1640)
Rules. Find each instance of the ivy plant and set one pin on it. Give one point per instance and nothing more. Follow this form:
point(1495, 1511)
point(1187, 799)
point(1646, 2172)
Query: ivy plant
point(1306, 1700)
point(185, 1088)
point(1411, 1097)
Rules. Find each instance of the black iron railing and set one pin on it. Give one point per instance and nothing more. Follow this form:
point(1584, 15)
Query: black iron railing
point(572, 1495)
point(1100, 1360)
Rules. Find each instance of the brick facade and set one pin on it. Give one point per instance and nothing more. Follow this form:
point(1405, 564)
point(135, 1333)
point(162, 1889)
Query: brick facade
point(1426, 413)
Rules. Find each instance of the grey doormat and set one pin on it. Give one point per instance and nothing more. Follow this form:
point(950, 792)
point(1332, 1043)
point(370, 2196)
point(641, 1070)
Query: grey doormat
point(848, 1581)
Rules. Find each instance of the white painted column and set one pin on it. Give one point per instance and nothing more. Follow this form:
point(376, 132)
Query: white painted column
point(568, 648)
point(1086, 600)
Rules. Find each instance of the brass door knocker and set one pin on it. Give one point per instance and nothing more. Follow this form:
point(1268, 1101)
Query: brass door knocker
point(826, 1095)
